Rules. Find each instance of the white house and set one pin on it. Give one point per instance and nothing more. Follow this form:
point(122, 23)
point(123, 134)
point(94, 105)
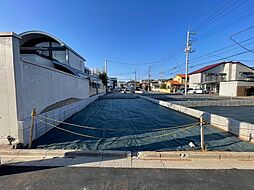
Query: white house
point(221, 77)
point(39, 70)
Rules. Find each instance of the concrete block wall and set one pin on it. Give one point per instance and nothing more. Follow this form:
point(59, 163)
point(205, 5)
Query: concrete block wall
point(243, 130)
point(59, 114)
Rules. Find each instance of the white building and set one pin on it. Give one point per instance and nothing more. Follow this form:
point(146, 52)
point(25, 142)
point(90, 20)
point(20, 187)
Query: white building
point(38, 70)
point(112, 82)
point(225, 78)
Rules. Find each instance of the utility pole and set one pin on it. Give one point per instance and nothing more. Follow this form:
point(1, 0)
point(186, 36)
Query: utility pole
point(106, 72)
point(160, 81)
point(149, 77)
point(135, 79)
point(106, 66)
point(188, 50)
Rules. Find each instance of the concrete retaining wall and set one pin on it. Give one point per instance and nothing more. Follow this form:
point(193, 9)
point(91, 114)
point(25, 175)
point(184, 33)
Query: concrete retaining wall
point(59, 114)
point(44, 86)
point(242, 129)
point(215, 103)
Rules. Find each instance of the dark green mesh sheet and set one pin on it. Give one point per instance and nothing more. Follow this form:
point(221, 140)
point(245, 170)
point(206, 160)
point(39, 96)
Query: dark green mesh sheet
point(134, 114)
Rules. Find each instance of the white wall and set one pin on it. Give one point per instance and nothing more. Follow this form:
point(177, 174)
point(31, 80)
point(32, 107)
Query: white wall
point(195, 80)
point(43, 86)
point(230, 88)
point(9, 56)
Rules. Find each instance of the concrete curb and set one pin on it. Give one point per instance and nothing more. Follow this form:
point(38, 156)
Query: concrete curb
point(62, 153)
point(186, 155)
point(241, 129)
point(145, 155)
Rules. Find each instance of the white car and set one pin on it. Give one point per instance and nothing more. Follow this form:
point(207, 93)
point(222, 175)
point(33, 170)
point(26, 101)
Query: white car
point(191, 91)
point(200, 91)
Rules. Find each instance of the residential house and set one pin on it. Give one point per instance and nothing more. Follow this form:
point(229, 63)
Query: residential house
point(112, 82)
point(177, 82)
point(132, 83)
point(223, 78)
point(40, 71)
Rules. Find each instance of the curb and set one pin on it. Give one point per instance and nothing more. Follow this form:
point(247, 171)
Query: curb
point(62, 153)
point(144, 155)
point(187, 155)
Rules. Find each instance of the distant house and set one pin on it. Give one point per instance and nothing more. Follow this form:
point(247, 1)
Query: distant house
point(132, 83)
point(112, 82)
point(177, 82)
point(156, 85)
point(223, 78)
point(121, 84)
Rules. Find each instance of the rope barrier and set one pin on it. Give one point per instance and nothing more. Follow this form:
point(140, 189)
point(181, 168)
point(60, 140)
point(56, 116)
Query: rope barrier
point(83, 135)
point(101, 138)
point(110, 129)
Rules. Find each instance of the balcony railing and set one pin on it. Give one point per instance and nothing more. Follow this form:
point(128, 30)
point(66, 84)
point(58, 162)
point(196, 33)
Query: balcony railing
point(215, 79)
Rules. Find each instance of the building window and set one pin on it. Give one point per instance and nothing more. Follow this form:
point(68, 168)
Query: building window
point(246, 75)
point(59, 55)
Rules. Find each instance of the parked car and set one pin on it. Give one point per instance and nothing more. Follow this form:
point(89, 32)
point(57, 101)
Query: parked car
point(191, 91)
point(201, 91)
point(197, 91)
point(180, 91)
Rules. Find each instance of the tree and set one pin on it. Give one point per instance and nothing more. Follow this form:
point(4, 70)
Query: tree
point(103, 76)
point(163, 86)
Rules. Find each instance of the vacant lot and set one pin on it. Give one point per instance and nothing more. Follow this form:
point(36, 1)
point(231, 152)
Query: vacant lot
point(127, 123)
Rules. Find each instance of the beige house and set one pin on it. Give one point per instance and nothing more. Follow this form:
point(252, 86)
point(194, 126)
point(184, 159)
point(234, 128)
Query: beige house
point(177, 82)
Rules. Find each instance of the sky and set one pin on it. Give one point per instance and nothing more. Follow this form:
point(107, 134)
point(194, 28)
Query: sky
point(133, 34)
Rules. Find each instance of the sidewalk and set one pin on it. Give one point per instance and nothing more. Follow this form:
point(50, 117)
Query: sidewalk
point(116, 159)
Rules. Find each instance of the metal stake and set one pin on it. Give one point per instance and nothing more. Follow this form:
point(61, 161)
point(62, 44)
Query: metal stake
point(33, 114)
point(202, 138)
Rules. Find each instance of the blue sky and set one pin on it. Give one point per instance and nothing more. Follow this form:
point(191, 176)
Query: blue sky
point(137, 31)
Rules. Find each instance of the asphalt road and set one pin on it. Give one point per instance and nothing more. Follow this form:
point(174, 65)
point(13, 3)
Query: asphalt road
point(28, 178)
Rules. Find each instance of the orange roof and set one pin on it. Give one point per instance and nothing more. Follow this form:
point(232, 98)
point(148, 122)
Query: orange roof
point(173, 82)
point(182, 75)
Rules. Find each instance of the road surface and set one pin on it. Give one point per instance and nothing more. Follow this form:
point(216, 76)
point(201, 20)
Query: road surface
point(29, 178)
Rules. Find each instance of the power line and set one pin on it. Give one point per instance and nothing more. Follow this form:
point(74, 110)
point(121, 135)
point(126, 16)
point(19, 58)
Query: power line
point(164, 58)
point(223, 58)
point(238, 43)
point(213, 16)
point(211, 54)
point(236, 19)
point(229, 7)
point(240, 53)
point(218, 15)
point(218, 50)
